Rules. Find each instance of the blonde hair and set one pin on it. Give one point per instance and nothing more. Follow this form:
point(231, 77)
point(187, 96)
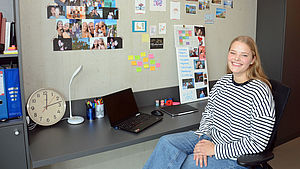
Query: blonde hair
point(255, 70)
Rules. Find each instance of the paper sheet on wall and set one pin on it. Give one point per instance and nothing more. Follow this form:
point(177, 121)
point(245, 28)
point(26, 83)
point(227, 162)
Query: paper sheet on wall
point(191, 62)
point(140, 6)
point(157, 5)
point(175, 10)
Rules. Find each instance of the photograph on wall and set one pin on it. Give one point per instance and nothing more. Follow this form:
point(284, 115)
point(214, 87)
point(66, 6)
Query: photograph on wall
point(61, 2)
point(157, 5)
point(220, 13)
point(55, 12)
point(139, 26)
point(156, 43)
point(63, 28)
point(74, 2)
point(190, 8)
point(94, 12)
point(75, 28)
point(75, 12)
point(100, 28)
point(111, 13)
point(62, 44)
point(98, 43)
point(80, 44)
point(228, 3)
point(114, 43)
point(99, 3)
point(209, 18)
point(111, 28)
point(192, 68)
point(162, 28)
point(216, 2)
point(174, 10)
point(140, 6)
point(204, 5)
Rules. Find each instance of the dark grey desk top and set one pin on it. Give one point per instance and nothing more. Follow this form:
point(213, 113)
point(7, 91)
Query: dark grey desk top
point(61, 142)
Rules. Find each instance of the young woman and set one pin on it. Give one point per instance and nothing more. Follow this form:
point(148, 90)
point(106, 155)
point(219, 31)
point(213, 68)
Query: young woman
point(85, 31)
point(237, 120)
point(60, 29)
point(66, 33)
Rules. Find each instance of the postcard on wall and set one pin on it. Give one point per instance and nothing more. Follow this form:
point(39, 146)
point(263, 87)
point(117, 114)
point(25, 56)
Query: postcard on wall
point(156, 43)
point(140, 6)
point(216, 2)
point(228, 3)
point(204, 4)
point(162, 28)
point(157, 5)
point(139, 26)
point(209, 18)
point(175, 10)
point(220, 13)
point(152, 30)
point(190, 8)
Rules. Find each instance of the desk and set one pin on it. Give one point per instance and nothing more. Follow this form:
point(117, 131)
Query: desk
point(61, 142)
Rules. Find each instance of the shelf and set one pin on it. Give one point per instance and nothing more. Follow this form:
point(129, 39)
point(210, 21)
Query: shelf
point(12, 122)
point(9, 55)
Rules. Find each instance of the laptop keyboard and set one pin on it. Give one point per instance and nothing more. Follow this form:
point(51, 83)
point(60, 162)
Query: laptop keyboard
point(134, 121)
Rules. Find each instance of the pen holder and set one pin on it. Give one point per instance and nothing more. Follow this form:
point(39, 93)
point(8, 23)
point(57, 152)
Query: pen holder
point(90, 114)
point(99, 111)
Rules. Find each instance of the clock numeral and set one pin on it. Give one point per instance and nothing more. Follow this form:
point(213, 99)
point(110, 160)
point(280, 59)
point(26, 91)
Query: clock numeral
point(59, 105)
point(45, 93)
point(52, 94)
point(54, 117)
point(32, 107)
point(48, 120)
point(41, 118)
point(58, 111)
point(35, 114)
point(57, 98)
point(38, 95)
point(33, 101)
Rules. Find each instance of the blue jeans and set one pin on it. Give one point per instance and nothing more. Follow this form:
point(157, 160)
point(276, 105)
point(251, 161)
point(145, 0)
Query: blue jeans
point(175, 151)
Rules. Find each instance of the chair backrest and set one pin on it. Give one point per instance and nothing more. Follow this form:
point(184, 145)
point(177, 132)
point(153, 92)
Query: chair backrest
point(280, 94)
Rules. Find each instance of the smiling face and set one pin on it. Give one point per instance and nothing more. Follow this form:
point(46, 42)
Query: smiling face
point(239, 59)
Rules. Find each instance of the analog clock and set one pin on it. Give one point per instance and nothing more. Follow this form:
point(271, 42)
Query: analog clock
point(46, 106)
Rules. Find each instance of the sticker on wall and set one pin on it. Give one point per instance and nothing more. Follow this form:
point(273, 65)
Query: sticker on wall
point(220, 13)
point(162, 28)
point(157, 5)
point(174, 10)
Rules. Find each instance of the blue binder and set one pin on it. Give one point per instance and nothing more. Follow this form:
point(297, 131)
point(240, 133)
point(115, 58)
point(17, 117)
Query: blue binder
point(13, 92)
point(3, 103)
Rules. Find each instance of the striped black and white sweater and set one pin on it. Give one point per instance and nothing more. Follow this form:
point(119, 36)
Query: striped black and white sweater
point(238, 117)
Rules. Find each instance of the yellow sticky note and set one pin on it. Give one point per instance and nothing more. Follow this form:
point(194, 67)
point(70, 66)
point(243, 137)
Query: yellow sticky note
point(143, 54)
point(145, 59)
point(138, 69)
point(152, 68)
point(146, 66)
point(145, 37)
point(130, 57)
point(133, 63)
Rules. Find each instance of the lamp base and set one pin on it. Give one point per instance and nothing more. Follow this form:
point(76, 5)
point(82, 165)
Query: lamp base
point(75, 120)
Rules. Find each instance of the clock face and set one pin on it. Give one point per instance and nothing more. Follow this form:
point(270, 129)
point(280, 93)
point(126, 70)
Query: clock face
point(46, 107)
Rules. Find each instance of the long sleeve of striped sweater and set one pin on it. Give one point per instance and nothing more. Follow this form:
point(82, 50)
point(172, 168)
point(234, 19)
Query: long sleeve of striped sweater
point(238, 117)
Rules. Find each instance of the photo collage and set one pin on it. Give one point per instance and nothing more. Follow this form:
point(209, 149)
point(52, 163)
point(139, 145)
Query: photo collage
point(191, 62)
point(85, 25)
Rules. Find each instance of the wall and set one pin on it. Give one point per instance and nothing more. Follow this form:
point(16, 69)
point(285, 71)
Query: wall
point(107, 71)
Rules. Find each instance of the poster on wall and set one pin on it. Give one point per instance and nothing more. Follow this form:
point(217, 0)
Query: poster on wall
point(191, 62)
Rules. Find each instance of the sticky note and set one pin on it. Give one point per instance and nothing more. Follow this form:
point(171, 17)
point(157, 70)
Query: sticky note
point(151, 56)
point(152, 62)
point(146, 66)
point(152, 68)
point(145, 59)
point(180, 32)
point(145, 37)
point(140, 63)
point(133, 63)
point(138, 69)
point(137, 57)
point(130, 57)
point(143, 54)
point(157, 64)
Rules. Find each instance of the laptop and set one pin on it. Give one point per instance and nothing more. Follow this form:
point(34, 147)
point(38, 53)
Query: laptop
point(178, 110)
point(124, 114)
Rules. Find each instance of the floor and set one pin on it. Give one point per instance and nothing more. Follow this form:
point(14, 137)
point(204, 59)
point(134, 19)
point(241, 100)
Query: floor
point(287, 155)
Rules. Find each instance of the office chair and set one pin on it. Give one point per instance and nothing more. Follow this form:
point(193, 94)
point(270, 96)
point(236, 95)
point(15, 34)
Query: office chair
point(260, 160)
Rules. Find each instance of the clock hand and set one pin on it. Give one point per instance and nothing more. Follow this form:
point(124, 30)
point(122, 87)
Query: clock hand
point(46, 100)
point(53, 103)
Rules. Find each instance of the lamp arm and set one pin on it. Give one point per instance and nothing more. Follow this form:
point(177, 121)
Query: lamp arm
point(74, 74)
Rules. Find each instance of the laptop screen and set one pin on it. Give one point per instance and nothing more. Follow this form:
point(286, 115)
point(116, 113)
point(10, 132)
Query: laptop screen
point(120, 106)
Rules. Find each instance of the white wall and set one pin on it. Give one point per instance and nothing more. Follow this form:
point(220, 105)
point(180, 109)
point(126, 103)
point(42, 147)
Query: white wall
point(108, 71)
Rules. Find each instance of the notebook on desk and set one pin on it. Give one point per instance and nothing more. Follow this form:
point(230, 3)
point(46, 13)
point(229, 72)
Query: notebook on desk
point(123, 112)
point(178, 110)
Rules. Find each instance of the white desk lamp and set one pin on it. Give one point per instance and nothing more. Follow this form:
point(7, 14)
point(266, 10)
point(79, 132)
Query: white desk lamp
point(74, 119)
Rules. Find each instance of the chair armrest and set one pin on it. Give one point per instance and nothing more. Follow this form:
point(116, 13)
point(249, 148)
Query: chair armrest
point(255, 159)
